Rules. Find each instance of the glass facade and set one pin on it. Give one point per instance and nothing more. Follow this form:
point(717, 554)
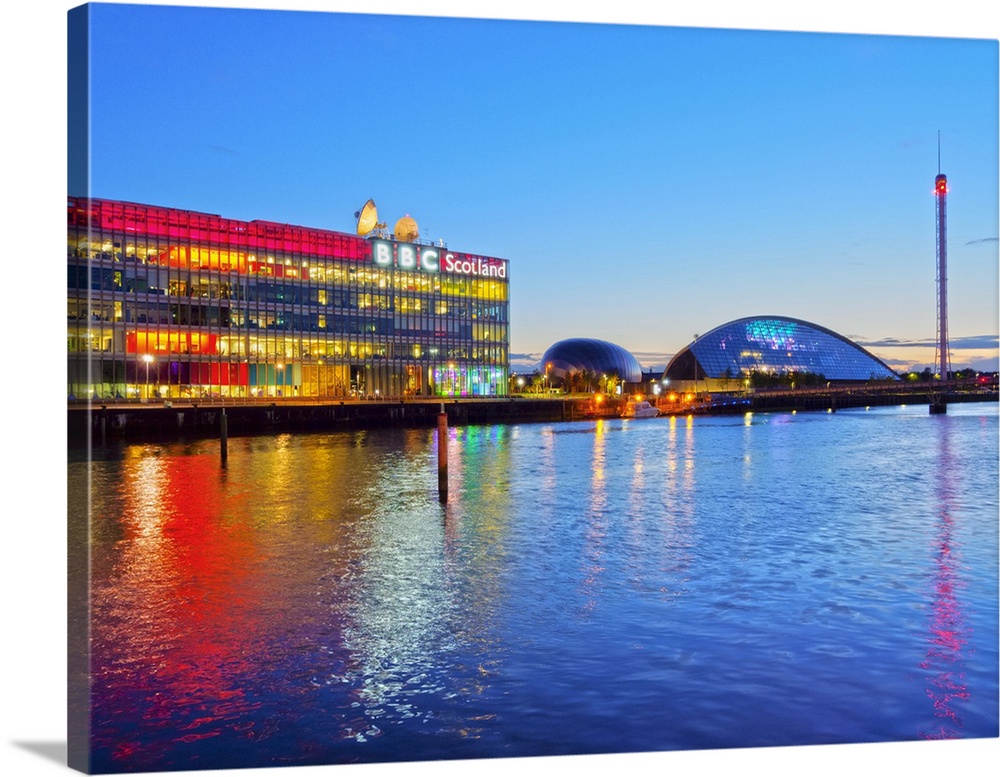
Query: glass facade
point(775, 345)
point(595, 356)
point(166, 303)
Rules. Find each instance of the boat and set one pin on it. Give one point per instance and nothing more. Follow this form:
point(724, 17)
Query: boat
point(639, 409)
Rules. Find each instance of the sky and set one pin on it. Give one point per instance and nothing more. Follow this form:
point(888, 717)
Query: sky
point(646, 183)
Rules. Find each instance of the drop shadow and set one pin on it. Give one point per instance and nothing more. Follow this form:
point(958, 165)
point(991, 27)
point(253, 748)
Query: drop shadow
point(51, 751)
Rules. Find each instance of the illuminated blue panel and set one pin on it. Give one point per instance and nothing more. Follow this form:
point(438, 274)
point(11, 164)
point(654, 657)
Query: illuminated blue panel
point(775, 345)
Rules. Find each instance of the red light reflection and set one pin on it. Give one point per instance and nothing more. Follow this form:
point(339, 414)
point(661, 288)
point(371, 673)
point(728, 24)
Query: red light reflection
point(948, 629)
point(172, 621)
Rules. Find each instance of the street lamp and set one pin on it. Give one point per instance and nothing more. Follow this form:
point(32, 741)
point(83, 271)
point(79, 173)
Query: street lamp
point(148, 358)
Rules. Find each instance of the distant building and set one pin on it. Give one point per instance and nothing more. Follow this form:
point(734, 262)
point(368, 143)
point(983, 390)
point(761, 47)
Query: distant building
point(770, 345)
point(597, 357)
point(166, 303)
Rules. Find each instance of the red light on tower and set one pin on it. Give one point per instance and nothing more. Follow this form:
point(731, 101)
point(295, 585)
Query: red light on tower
point(941, 185)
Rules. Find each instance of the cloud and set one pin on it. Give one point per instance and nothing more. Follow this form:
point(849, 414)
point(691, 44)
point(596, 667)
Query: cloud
point(982, 364)
point(909, 143)
point(974, 342)
point(891, 342)
point(652, 361)
point(983, 240)
point(980, 352)
point(970, 343)
point(524, 362)
point(223, 150)
point(991, 364)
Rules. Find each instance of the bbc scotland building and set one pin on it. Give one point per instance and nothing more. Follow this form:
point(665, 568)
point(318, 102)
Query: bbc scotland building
point(172, 304)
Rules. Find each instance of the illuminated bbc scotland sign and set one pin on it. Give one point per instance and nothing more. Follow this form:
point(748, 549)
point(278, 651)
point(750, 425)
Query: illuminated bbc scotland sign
point(410, 256)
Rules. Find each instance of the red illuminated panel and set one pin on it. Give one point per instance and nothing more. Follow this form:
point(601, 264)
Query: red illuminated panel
point(183, 225)
point(216, 374)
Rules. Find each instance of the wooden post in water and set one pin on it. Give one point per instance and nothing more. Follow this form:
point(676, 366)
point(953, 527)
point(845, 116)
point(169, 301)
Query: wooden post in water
point(443, 454)
point(223, 436)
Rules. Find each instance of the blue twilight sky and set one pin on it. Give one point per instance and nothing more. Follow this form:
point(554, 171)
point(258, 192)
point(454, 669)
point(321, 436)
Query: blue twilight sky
point(646, 182)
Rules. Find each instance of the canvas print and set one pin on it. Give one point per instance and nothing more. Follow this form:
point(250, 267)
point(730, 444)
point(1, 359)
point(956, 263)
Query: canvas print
point(459, 389)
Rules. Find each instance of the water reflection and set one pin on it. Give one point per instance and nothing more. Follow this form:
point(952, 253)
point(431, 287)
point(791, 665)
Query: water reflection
point(418, 647)
point(949, 632)
point(591, 586)
point(681, 470)
point(172, 606)
point(596, 518)
point(211, 578)
point(398, 601)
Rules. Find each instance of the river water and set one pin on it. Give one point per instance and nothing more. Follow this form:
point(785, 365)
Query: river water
point(589, 587)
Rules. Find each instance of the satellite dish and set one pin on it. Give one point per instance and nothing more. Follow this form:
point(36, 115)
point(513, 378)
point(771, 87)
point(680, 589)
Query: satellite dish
point(368, 219)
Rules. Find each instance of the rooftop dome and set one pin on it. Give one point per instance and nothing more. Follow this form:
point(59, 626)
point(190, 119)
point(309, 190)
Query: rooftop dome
point(406, 229)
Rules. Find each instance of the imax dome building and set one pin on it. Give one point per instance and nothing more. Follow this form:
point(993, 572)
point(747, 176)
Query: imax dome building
point(595, 356)
point(769, 344)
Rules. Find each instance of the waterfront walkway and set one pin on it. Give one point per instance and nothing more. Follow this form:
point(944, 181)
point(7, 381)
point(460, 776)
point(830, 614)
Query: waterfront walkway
point(108, 420)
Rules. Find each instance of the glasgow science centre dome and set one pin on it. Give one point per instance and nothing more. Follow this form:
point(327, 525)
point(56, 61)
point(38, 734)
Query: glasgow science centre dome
point(596, 356)
point(775, 345)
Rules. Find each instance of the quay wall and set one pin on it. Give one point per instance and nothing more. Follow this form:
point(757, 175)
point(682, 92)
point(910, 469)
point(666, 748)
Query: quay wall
point(193, 420)
point(183, 420)
point(787, 401)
